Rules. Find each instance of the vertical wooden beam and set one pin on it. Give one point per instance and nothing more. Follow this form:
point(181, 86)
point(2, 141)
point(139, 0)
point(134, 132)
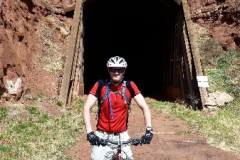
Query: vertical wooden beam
point(81, 68)
point(77, 73)
point(66, 82)
point(195, 51)
point(75, 69)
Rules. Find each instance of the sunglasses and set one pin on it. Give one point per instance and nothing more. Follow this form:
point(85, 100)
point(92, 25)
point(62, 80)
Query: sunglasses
point(119, 70)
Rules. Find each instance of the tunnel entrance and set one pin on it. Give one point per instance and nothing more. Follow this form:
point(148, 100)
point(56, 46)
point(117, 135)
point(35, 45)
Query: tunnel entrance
point(153, 36)
point(138, 30)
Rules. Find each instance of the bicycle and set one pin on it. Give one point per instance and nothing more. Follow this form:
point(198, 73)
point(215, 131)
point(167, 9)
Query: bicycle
point(119, 154)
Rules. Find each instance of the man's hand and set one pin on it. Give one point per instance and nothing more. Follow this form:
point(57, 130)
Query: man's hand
point(93, 139)
point(147, 137)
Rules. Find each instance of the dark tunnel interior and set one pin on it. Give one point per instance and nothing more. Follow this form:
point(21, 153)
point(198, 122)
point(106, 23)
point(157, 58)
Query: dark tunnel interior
point(137, 30)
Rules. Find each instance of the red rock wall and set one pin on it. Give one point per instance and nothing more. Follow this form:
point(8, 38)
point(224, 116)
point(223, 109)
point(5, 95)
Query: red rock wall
point(14, 42)
point(19, 46)
point(221, 17)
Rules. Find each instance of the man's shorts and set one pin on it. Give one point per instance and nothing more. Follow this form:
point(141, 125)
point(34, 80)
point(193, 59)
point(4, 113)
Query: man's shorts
point(105, 152)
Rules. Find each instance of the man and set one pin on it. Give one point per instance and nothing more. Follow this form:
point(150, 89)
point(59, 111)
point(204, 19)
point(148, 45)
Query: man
point(114, 97)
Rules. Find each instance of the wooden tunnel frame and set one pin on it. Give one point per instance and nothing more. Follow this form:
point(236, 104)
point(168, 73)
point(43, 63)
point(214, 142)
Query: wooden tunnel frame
point(189, 63)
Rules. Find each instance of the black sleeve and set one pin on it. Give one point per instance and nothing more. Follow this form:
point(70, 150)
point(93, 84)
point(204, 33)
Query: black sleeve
point(129, 87)
point(101, 83)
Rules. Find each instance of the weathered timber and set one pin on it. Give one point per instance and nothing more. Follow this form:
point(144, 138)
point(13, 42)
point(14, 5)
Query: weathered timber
point(195, 51)
point(77, 74)
point(66, 82)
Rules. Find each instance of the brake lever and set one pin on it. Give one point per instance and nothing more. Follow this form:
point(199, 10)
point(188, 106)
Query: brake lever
point(136, 142)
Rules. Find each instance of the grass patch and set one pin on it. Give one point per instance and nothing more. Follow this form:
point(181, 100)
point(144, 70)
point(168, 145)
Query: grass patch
point(3, 112)
point(222, 67)
point(77, 104)
point(29, 133)
point(36, 98)
point(221, 130)
point(59, 103)
point(225, 76)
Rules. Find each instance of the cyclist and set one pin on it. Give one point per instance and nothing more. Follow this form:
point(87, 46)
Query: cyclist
point(113, 110)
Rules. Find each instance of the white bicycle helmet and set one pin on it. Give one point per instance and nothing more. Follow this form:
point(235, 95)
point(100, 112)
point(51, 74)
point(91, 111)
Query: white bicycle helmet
point(117, 62)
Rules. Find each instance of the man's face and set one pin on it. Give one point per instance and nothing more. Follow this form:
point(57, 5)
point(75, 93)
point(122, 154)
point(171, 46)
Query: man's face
point(116, 73)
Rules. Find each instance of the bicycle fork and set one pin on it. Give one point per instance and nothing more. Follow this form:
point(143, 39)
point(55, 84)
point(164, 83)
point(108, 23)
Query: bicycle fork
point(119, 151)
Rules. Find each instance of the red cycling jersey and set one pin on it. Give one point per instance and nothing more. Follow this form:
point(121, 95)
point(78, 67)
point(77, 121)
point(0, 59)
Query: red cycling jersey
point(119, 108)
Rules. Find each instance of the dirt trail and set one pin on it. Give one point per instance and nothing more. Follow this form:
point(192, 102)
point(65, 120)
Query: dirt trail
point(166, 144)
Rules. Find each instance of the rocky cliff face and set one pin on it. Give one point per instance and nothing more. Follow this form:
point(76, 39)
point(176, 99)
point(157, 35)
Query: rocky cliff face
point(221, 17)
point(21, 69)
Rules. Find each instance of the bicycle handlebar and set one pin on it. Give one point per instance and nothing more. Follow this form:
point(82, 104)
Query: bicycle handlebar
point(132, 141)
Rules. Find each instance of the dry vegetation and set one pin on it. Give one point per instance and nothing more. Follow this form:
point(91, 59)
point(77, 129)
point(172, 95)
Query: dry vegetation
point(52, 35)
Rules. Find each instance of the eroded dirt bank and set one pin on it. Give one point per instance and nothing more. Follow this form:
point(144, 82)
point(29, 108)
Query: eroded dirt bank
point(26, 30)
point(221, 17)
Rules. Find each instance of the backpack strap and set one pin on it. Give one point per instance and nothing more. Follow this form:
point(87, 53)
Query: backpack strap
point(109, 100)
point(129, 87)
point(104, 97)
point(123, 93)
point(126, 84)
point(101, 83)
